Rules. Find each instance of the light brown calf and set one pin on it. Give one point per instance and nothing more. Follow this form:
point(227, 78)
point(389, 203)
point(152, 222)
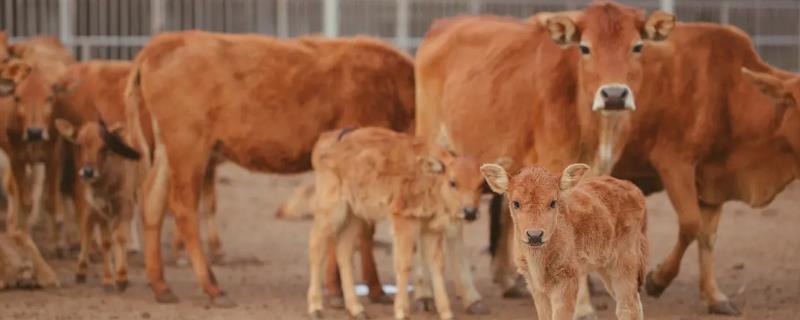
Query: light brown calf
point(108, 192)
point(568, 228)
point(374, 173)
point(22, 266)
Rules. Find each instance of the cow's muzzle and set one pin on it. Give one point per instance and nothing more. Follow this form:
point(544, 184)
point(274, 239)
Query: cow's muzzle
point(534, 237)
point(613, 97)
point(87, 173)
point(34, 134)
point(470, 213)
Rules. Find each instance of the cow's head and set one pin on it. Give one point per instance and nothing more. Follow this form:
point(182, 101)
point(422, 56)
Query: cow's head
point(534, 197)
point(610, 39)
point(94, 143)
point(459, 182)
point(784, 90)
point(34, 100)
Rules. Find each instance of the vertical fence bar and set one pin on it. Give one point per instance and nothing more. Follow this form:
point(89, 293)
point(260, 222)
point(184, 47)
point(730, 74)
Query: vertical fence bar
point(402, 24)
point(66, 13)
point(475, 7)
point(668, 5)
point(330, 18)
point(725, 13)
point(282, 16)
point(158, 14)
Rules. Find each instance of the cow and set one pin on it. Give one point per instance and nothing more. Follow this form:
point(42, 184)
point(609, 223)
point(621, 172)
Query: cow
point(568, 81)
point(370, 174)
point(22, 266)
point(27, 140)
point(568, 227)
point(706, 135)
point(300, 87)
point(107, 194)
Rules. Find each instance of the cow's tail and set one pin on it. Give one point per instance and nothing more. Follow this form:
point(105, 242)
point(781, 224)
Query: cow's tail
point(133, 103)
point(644, 251)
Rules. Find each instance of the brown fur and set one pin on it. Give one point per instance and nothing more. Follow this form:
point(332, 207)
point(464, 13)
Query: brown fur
point(373, 174)
point(593, 226)
point(299, 87)
point(22, 266)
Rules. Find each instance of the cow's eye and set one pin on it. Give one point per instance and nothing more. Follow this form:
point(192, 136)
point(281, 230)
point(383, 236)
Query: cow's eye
point(515, 204)
point(452, 183)
point(17, 99)
point(638, 48)
point(585, 50)
point(552, 204)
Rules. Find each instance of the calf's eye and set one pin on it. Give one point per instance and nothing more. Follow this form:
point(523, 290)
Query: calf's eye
point(453, 183)
point(638, 48)
point(515, 204)
point(552, 204)
point(585, 50)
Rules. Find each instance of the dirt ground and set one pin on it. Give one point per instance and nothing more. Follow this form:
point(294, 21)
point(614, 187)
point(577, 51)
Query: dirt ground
point(265, 269)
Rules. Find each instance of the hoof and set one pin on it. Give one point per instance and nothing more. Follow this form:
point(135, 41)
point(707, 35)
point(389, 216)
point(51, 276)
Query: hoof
point(221, 301)
point(109, 288)
point(122, 285)
point(166, 296)
point(425, 305)
point(478, 307)
point(591, 316)
point(336, 302)
point(361, 316)
point(381, 299)
point(29, 284)
point(653, 289)
point(515, 292)
point(80, 278)
point(316, 315)
point(725, 308)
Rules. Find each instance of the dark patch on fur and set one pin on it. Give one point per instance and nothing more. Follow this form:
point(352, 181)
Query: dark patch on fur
point(344, 132)
point(495, 210)
point(116, 144)
point(68, 176)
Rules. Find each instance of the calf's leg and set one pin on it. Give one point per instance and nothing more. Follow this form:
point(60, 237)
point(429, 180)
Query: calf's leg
point(562, 299)
point(368, 269)
point(319, 237)
point(432, 251)
point(462, 267)
point(405, 234)
point(105, 246)
point(345, 243)
point(209, 196)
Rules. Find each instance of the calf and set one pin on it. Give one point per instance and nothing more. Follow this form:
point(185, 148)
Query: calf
point(374, 173)
point(108, 191)
point(571, 228)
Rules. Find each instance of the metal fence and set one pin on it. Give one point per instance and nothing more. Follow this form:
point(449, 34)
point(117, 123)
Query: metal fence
point(116, 29)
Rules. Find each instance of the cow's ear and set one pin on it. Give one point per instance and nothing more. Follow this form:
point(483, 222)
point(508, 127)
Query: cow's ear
point(11, 76)
point(496, 177)
point(658, 26)
point(563, 30)
point(65, 87)
point(431, 164)
point(572, 175)
point(66, 129)
point(504, 162)
point(770, 85)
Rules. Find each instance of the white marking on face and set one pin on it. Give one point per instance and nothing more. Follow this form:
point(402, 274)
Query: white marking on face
point(599, 102)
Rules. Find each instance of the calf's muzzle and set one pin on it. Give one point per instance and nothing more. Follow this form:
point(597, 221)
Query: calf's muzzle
point(534, 237)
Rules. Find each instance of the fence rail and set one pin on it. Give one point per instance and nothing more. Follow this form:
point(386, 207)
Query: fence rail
point(116, 29)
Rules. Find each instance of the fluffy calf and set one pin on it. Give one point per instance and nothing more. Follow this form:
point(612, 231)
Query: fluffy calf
point(569, 228)
point(374, 173)
point(108, 192)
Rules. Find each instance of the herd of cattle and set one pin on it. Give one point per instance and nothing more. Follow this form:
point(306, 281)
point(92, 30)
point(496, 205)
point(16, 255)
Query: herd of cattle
point(488, 104)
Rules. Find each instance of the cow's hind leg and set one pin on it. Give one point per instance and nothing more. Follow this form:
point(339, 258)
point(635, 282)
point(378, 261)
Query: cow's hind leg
point(623, 284)
point(105, 246)
point(345, 244)
point(209, 198)
point(318, 241)
point(584, 309)
point(86, 232)
point(121, 236)
point(423, 294)
point(405, 234)
point(368, 269)
point(718, 302)
point(333, 283)
point(55, 204)
point(152, 204)
point(461, 266)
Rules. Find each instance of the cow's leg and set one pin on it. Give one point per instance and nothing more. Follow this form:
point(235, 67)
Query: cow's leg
point(345, 245)
point(86, 232)
point(152, 203)
point(53, 169)
point(368, 269)
point(318, 244)
point(678, 178)
point(584, 309)
point(623, 284)
point(562, 299)
point(105, 246)
point(178, 250)
point(45, 276)
point(423, 294)
point(432, 250)
point(333, 283)
point(20, 202)
point(462, 267)
point(121, 236)
point(183, 199)
point(135, 243)
point(718, 302)
point(405, 234)
point(209, 198)
point(541, 302)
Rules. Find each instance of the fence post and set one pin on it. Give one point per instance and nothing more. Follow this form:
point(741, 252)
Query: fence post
point(668, 6)
point(282, 12)
point(330, 18)
point(474, 7)
point(158, 16)
point(402, 24)
point(66, 15)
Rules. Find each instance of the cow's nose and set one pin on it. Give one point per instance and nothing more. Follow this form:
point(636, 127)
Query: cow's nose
point(87, 172)
point(471, 213)
point(535, 237)
point(614, 97)
point(35, 134)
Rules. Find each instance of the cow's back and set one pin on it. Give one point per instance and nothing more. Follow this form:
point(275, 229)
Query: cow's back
point(98, 93)
point(485, 80)
point(48, 55)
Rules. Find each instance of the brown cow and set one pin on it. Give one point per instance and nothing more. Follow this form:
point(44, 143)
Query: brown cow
point(570, 228)
point(567, 80)
point(27, 119)
point(22, 266)
point(372, 174)
point(264, 108)
point(107, 194)
point(706, 135)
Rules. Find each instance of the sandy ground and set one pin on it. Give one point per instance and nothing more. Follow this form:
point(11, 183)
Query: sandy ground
point(265, 272)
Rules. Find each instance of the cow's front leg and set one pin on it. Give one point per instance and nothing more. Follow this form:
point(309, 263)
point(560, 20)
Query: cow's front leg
point(405, 234)
point(432, 251)
point(562, 299)
point(462, 267)
point(718, 302)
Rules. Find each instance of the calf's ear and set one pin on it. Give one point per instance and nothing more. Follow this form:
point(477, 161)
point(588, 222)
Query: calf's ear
point(572, 175)
point(504, 162)
point(496, 177)
point(770, 86)
point(66, 129)
point(658, 26)
point(563, 30)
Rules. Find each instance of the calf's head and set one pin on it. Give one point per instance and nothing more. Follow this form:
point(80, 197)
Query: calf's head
point(534, 197)
point(34, 101)
point(610, 39)
point(95, 143)
point(460, 182)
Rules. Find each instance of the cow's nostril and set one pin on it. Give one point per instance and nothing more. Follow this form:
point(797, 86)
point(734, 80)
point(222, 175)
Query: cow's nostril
point(87, 172)
point(34, 133)
point(535, 236)
point(624, 94)
point(604, 93)
point(470, 213)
